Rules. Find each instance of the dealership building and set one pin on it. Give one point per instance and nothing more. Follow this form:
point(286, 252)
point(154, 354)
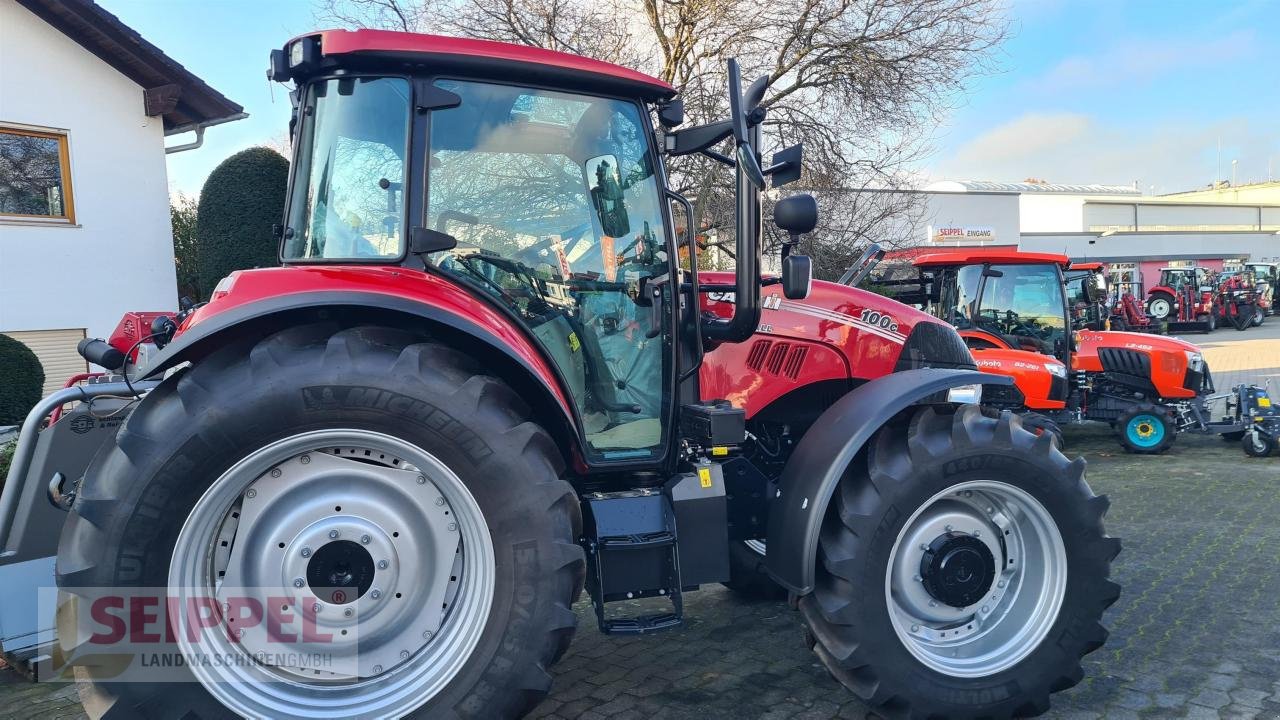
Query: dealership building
point(1217, 228)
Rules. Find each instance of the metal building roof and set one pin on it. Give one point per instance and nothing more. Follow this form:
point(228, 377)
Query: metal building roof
point(1006, 187)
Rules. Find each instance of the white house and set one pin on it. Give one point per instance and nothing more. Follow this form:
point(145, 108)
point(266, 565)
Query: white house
point(85, 106)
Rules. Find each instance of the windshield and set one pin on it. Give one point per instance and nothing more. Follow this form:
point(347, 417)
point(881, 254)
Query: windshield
point(352, 156)
point(1020, 306)
point(556, 211)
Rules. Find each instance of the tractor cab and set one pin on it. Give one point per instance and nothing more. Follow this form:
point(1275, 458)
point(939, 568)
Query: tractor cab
point(544, 198)
point(1011, 301)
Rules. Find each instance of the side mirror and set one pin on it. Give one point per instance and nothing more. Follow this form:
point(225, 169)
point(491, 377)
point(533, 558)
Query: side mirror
point(797, 214)
point(797, 276)
point(672, 114)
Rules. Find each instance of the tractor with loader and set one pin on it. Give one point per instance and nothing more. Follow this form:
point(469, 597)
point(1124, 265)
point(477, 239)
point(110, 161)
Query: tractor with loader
point(481, 381)
point(1184, 300)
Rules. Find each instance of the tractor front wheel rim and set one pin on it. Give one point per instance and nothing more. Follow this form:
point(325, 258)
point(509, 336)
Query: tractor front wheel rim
point(1003, 591)
point(371, 546)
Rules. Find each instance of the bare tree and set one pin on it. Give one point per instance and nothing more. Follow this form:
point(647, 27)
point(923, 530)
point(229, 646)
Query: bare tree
point(859, 82)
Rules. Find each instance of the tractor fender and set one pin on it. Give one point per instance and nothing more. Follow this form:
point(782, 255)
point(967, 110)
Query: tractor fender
point(811, 475)
point(518, 360)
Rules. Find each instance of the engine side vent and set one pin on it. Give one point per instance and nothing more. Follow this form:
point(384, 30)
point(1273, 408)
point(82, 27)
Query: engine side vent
point(795, 361)
point(1125, 361)
point(755, 357)
point(777, 357)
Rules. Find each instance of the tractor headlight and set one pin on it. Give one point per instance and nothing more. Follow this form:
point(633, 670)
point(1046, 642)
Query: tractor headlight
point(965, 394)
point(1057, 369)
point(1195, 361)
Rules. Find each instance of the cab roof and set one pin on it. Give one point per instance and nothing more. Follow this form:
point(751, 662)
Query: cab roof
point(1086, 266)
point(499, 59)
point(995, 256)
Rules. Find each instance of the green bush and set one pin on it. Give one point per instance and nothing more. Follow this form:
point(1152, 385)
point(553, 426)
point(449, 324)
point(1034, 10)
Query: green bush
point(182, 216)
point(6, 457)
point(241, 200)
point(21, 380)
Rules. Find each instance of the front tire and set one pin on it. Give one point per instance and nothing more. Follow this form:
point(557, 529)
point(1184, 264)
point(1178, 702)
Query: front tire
point(975, 478)
point(1256, 444)
point(1160, 306)
point(1146, 429)
point(342, 421)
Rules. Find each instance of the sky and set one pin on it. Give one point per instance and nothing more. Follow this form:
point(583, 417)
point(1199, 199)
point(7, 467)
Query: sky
point(1083, 91)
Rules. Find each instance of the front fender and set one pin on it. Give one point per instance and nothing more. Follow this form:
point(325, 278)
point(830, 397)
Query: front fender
point(819, 461)
point(262, 301)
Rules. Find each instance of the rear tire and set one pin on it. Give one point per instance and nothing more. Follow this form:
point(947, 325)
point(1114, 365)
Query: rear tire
point(318, 380)
point(912, 470)
point(1039, 424)
point(1146, 429)
point(1259, 315)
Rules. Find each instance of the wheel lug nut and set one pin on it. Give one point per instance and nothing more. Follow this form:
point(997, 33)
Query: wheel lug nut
point(383, 564)
point(422, 480)
point(348, 612)
point(251, 493)
point(365, 539)
point(977, 533)
point(985, 610)
point(377, 669)
point(404, 654)
point(439, 501)
point(375, 593)
point(915, 628)
point(1000, 584)
point(333, 534)
point(305, 459)
point(453, 527)
point(426, 634)
point(306, 552)
point(299, 582)
point(275, 472)
point(315, 607)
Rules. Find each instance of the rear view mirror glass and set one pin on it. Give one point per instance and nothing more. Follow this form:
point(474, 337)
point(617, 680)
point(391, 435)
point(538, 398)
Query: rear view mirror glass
point(607, 197)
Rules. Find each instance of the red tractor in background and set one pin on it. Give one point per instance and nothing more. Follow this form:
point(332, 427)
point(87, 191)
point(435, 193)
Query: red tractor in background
point(1238, 299)
point(1185, 300)
point(1012, 310)
point(482, 381)
point(1268, 279)
point(1103, 305)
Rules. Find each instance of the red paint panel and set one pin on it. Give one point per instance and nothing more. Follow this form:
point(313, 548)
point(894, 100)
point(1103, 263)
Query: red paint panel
point(342, 42)
point(248, 286)
point(995, 255)
point(845, 333)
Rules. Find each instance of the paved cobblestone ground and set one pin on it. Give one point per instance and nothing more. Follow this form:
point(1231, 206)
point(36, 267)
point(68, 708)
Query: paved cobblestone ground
point(1196, 633)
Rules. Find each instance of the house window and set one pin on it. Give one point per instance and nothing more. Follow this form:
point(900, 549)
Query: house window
point(35, 176)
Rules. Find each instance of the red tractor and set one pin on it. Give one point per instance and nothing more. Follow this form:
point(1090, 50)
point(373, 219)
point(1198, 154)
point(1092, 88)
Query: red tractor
point(1268, 279)
point(1011, 310)
point(482, 381)
point(1238, 299)
point(1184, 300)
point(1102, 305)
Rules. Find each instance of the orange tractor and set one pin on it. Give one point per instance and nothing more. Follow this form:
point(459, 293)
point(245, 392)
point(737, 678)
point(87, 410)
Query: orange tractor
point(1012, 310)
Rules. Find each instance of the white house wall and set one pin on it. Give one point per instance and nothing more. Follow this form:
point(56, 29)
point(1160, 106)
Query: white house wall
point(120, 255)
point(995, 211)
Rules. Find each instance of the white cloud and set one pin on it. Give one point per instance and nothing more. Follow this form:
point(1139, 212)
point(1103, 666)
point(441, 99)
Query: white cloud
point(1077, 148)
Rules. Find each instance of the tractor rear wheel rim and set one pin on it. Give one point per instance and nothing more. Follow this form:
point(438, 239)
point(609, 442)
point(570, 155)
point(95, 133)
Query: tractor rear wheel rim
point(374, 541)
point(989, 525)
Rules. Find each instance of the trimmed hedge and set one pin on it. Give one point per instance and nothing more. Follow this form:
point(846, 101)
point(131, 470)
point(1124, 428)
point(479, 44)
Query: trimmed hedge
point(241, 200)
point(21, 380)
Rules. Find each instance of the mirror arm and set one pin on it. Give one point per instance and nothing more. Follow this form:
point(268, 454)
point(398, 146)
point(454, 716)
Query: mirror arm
point(720, 157)
point(697, 138)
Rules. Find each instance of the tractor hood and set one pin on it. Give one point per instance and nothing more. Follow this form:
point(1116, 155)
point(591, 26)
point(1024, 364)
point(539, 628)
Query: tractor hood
point(1175, 368)
point(1042, 379)
point(838, 333)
